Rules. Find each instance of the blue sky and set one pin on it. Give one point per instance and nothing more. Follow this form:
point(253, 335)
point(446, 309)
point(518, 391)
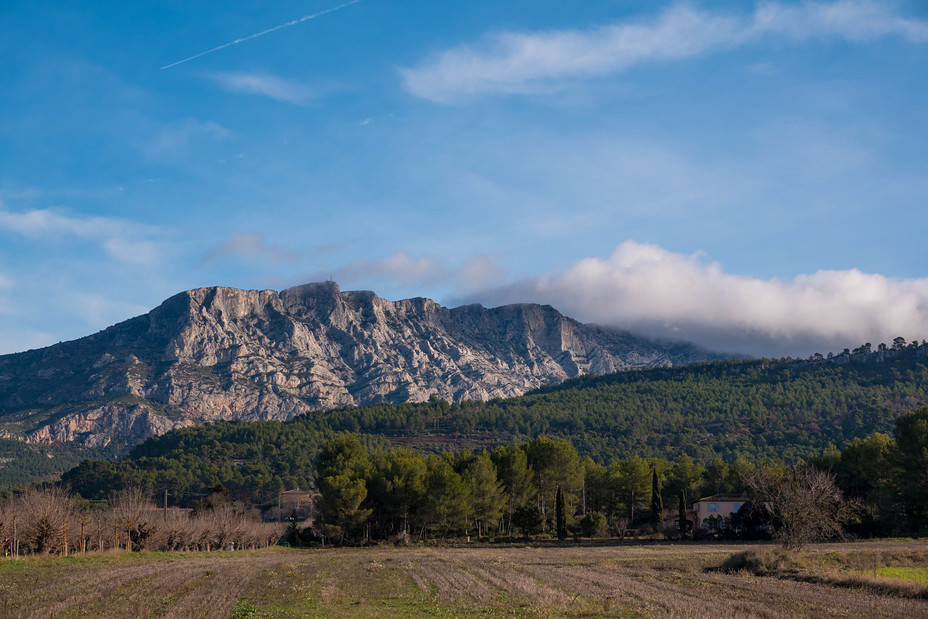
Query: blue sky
point(748, 176)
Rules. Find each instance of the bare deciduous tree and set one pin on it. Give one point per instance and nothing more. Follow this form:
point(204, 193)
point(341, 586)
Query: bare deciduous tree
point(49, 522)
point(44, 519)
point(136, 515)
point(806, 503)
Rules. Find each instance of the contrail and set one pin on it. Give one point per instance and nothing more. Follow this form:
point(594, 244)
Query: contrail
point(262, 33)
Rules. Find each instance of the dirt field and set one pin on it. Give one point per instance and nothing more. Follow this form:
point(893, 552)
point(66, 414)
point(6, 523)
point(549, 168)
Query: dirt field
point(626, 581)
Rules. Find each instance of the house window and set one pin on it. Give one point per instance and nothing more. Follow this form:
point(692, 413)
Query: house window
point(713, 507)
point(735, 508)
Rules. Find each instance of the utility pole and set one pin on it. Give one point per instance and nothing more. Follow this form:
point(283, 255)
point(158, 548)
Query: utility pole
point(165, 504)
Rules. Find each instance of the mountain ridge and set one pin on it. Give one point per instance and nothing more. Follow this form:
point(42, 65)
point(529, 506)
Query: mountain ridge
point(223, 353)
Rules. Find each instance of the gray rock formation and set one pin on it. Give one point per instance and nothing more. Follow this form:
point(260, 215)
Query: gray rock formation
point(222, 353)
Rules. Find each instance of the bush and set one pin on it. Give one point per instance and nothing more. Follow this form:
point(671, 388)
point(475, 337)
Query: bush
point(593, 525)
point(528, 519)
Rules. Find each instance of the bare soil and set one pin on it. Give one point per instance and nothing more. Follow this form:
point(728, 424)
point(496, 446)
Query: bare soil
point(660, 580)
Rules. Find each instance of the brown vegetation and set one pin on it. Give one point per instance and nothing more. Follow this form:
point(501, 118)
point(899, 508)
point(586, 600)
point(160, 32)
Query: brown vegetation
point(50, 521)
point(806, 503)
point(846, 567)
point(665, 580)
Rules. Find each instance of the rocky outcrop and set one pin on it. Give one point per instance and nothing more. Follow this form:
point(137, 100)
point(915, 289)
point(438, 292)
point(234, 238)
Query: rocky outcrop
point(222, 353)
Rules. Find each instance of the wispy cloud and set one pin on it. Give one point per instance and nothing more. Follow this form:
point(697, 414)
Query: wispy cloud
point(252, 247)
point(263, 84)
point(40, 223)
point(124, 240)
point(175, 140)
point(524, 63)
point(477, 272)
point(6, 284)
point(854, 20)
point(647, 288)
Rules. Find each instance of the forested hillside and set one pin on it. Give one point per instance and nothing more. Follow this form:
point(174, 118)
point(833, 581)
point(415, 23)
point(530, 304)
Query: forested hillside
point(787, 409)
point(22, 463)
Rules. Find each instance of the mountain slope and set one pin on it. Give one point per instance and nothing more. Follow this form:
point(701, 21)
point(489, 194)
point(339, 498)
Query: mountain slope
point(222, 353)
point(758, 410)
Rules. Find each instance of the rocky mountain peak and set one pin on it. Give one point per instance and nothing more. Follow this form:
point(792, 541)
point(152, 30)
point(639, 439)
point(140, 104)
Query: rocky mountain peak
point(224, 353)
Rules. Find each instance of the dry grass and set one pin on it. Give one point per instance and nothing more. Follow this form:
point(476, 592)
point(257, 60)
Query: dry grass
point(569, 581)
point(897, 570)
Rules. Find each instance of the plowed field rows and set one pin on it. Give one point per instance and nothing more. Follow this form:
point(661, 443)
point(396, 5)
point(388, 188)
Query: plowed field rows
point(571, 581)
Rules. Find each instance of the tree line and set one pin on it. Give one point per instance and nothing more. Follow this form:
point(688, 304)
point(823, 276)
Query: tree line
point(52, 520)
point(756, 410)
point(877, 486)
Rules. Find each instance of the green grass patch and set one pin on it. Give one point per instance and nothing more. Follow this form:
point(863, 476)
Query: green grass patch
point(917, 575)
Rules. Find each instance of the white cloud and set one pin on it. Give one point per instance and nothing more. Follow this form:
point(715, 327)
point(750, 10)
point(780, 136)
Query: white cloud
point(175, 140)
point(277, 88)
point(124, 240)
point(649, 289)
point(6, 284)
point(523, 63)
point(132, 252)
point(405, 270)
point(854, 20)
point(41, 223)
point(252, 247)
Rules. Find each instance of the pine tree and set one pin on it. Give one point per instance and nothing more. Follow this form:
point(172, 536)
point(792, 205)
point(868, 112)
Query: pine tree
point(681, 508)
point(657, 502)
point(560, 514)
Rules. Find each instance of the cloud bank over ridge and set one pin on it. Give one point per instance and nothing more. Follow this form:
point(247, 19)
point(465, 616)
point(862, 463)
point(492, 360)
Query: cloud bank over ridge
point(648, 289)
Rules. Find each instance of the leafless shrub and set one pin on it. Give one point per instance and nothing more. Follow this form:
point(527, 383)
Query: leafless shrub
point(806, 503)
point(6, 519)
point(621, 527)
point(137, 516)
point(173, 530)
point(44, 516)
point(49, 521)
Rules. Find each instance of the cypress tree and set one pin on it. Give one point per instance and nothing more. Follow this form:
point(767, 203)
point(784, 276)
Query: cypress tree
point(560, 514)
point(657, 502)
point(681, 507)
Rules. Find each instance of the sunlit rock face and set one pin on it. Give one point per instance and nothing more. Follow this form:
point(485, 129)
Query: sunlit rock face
point(222, 353)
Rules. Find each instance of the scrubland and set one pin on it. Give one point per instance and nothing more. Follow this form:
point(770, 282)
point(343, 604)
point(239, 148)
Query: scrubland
point(878, 579)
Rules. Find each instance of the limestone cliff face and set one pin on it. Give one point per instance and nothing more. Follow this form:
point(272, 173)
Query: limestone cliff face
point(222, 353)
